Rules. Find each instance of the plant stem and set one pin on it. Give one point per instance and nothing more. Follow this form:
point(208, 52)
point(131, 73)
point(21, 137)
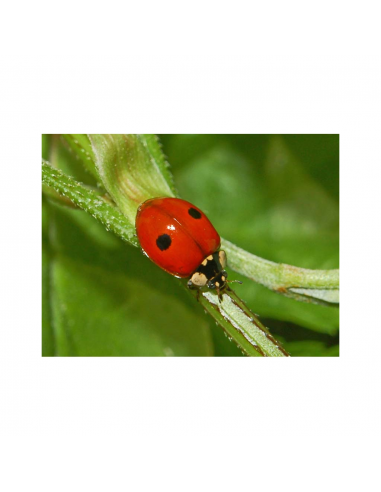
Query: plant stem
point(90, 201)
point(240, 324)
point(316, 286)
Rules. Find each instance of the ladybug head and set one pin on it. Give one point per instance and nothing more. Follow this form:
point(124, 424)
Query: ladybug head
point(218, 281)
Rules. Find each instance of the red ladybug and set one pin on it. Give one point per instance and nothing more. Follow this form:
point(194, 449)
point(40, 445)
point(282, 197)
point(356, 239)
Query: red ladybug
point(181, 240)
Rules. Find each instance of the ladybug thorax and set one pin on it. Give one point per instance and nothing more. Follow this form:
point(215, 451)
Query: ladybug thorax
point(211, 273)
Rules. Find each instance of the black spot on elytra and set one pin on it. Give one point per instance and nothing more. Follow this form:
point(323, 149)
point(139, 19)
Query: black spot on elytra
point(163, 242)
point(194, 213)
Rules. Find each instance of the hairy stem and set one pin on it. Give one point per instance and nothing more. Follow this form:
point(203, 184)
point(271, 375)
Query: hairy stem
point(316, 286)
point(90, 201)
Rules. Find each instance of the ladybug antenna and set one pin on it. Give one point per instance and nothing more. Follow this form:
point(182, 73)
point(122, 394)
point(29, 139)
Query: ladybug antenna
point(233, 281)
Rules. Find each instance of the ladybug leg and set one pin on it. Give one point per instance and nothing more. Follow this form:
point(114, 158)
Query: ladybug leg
point(191, 285)
point(198, 295)
point(219, 293)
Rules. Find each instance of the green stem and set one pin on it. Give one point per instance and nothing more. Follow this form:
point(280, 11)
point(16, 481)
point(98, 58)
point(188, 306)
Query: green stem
point(90, 201)
point(316, 286)
point(240, 324)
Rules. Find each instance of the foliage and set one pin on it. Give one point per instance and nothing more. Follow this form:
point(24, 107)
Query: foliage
point(276, 196)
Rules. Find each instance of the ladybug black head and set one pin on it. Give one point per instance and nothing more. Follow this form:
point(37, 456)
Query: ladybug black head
point(218, 281)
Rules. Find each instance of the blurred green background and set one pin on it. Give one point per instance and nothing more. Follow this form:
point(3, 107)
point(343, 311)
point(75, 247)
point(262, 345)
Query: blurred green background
point(276, 196)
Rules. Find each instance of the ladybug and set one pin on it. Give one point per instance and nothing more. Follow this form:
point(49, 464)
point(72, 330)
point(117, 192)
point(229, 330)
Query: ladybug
point(180, 239)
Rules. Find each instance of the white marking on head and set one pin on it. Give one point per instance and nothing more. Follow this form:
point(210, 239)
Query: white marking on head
point(198, 279)
point(204, 262)
point(223, 278)
point(210, 258)
point(217, 284)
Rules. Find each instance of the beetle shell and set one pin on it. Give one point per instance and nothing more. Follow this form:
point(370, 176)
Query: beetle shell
point(175, 234)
